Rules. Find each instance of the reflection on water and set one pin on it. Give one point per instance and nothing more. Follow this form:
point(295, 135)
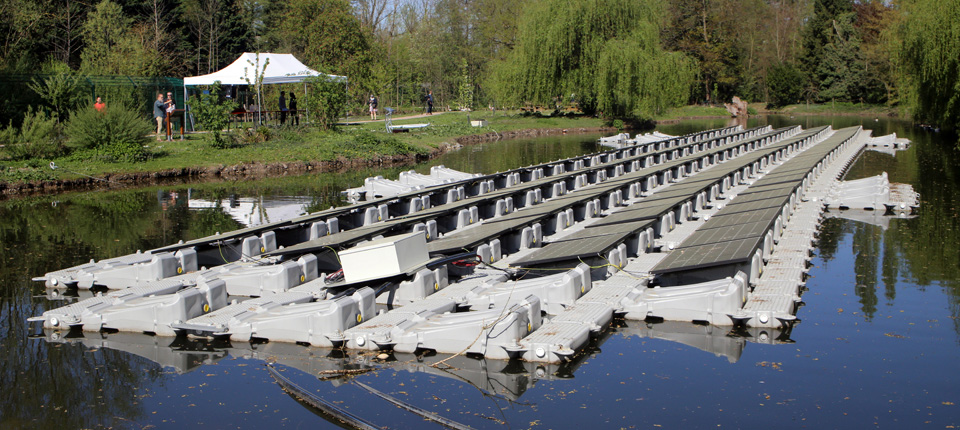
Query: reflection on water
point(882, 309)
point(498, 379)
point(253, 211)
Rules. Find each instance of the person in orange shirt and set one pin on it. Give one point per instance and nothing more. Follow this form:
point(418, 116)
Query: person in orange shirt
point(99, 105)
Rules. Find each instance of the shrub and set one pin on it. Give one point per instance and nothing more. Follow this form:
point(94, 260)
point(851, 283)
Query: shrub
point(38, 137)
point(62, 92)
point(618, 124)
point(118, 132)
point(326, 101)
point(253, 135)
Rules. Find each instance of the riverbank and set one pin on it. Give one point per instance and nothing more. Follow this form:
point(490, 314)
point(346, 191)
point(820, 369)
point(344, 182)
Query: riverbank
point(298, 150)
point(674, 115)
point(285, 151)
point(838, 108)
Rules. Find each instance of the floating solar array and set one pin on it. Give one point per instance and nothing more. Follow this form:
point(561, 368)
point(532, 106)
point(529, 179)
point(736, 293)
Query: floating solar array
point(737, 231)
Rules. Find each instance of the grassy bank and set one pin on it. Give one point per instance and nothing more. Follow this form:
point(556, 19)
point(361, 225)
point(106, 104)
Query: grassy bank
point(837, 108)
point(363, 141)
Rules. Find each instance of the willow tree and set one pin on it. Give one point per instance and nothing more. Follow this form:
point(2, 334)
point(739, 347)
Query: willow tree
point(605, 54)
point(931, 59)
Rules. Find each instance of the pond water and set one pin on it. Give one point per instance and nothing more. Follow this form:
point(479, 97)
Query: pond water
point(875, 348)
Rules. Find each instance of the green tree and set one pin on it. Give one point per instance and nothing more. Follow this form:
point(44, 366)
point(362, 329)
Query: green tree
point(257, 84)
point(876, 22)
point(464, 86)
point(326, 100)
point(38, 137)
point(21, 24)
point(785, 82)
point(709, 31)
point(61, 92)
point(840, 70)
point(818, 32)
point(112, 47)
point(605, 52)
point(325, 35)
point(931, 60)
point(213, 114)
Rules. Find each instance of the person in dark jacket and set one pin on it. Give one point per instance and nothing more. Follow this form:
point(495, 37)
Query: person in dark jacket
point(283, 107)
point(295, 119)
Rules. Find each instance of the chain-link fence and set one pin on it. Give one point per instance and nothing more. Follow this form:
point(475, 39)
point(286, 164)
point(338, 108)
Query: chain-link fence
point(134, 91)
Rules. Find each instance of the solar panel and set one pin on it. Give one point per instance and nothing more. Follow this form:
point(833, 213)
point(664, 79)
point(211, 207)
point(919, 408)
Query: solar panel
point(630, 215)
point(735, 206)
point(733, 218)
point(779, 195)
point(335, 240)
point(708, 255)
point(762, 188)
point(571, 250)
point(727, 234)
point(626, 227)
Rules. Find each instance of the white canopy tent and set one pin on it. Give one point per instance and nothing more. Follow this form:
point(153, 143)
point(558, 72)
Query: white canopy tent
point(281, 69)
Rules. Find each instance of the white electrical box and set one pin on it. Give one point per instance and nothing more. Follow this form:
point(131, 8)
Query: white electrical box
point(383, 258)
point(479, 123)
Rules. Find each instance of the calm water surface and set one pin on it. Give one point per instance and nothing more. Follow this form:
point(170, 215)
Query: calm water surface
point(876, 347)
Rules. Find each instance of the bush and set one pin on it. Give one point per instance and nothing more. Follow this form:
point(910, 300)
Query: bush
point(253, 135)
point(118, 132)
point(326, 101)
point(62, 92)
point(38, 137)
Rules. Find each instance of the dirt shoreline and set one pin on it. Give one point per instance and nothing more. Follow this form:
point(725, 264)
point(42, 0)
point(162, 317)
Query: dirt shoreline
point(261, 170)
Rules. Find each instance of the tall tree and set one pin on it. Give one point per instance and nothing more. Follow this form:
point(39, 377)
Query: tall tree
point(217, 32)
point(819, 31)
point(706, 30)
point(111, 47)
point(876, 23)
point(21, 24)
point(840, 69)
point(605, 52)
point(325, 35)
point(931, 59)
point(68, 16)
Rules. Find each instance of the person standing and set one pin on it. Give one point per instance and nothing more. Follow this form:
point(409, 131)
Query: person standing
point(170, 107)
point(373, 107)
point(99, 105)
point(295, 119)
point(159, 113)
point(283, 107)
point(429, 102)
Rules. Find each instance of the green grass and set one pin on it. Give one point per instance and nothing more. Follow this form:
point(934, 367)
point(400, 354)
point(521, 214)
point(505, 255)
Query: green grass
point(304, 144)
point(692, 111)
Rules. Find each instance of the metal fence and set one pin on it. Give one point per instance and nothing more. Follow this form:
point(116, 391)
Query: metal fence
point(134, 91)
